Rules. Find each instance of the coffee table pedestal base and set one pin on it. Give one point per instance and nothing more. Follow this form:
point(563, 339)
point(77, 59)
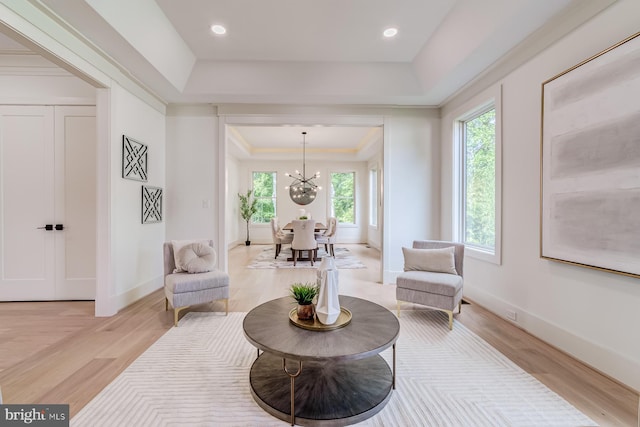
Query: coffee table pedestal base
point(327, 393)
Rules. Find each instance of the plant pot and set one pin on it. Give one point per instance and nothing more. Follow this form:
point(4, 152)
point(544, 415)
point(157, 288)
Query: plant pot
point(306, 311)
point(247, 243)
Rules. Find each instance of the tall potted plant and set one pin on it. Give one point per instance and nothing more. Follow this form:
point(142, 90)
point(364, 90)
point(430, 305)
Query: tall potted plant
point(248, 208)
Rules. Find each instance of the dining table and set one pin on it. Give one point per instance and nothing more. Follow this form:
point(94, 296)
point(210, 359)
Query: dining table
point(319, 227)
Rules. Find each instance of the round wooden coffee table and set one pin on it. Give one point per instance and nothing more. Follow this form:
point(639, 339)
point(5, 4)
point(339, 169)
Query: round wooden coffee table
point(334, 377)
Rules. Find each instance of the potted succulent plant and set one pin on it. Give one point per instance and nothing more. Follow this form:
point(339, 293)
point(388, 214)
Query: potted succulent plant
point(248, 208)
point(304, 293)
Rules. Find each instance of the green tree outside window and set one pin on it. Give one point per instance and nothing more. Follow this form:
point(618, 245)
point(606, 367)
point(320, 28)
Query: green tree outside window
point(343, 204)
point(264, 191)
point(479, 180)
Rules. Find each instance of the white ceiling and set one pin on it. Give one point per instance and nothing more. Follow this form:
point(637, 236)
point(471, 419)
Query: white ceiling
point(8, 45)
point(306, 30)
point(308, 52)
point(344, 143)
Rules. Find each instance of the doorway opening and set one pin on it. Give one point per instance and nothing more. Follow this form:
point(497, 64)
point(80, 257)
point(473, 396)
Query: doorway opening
point(273, 144)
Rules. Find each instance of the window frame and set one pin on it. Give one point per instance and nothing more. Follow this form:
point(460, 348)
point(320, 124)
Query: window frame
point(373, 197)
point(491, 99)
point(274, 196)
point(331, 197)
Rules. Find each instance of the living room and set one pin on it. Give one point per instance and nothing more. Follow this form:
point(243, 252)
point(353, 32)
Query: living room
point(587, 313)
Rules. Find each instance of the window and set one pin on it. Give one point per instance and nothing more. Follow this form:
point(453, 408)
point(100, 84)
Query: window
point(343, 202)
point(264, 191)
point(373, 197)
point(479, 161)
point(478, 154)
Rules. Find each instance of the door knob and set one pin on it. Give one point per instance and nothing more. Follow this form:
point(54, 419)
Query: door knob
point(47, 227)
point(59, 227)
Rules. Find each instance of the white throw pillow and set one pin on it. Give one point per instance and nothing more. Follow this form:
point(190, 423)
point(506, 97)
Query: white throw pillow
point(436, 260)
point(197, 258)
point(179, 244)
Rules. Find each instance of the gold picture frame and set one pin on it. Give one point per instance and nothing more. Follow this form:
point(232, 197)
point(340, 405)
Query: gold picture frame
point(590, 162)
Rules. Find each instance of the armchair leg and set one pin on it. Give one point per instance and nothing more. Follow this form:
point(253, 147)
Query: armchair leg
point(460, 307)
point(278, 248)
point(176, 313)
point(450, 313)
point(226, 306)
point(166, 303)
point(333, 254)
point(295, 252)
point(398, 307)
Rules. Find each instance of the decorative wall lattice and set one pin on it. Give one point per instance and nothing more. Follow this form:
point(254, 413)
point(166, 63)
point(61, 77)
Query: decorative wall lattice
point(151, 204)
point(134, 159)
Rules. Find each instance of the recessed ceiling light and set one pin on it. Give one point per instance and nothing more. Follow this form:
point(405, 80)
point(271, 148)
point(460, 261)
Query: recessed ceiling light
point(218, 29)
point(390, 32)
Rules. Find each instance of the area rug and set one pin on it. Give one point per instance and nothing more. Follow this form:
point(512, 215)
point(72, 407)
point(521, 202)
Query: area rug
point(198, 374)
point(265, 259)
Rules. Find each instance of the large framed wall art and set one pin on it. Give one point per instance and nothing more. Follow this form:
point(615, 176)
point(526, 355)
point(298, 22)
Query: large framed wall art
point(590, 162)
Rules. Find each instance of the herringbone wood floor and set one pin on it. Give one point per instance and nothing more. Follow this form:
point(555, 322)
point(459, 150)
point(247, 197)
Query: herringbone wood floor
point(57, 352)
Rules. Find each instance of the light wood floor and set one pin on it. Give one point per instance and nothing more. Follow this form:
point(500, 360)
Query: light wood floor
point(57, 352)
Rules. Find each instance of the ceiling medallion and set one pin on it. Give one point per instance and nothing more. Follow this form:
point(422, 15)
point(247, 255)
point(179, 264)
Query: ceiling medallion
point(303, 190)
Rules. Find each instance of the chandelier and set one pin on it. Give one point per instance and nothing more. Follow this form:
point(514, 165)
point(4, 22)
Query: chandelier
point(303, 190)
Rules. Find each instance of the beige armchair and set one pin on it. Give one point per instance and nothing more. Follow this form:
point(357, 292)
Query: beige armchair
point(328, 238)
point(183, 289)
point(432, 276)
point(304, 239)
point(279, 237)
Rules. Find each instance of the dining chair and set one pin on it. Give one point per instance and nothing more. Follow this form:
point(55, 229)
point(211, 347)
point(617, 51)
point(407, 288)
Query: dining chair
point(279, 236)
point(328, 238)
point(304, 239)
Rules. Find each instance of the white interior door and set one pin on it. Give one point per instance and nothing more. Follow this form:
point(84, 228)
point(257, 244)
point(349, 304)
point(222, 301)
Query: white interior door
point(47, 177)
point(27, 197)
point(75, 203)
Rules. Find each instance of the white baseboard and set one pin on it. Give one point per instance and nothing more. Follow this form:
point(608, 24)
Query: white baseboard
point(232, 245)
point(374, 246)
point(602, 359)
point(389, 276)
point(124, 299)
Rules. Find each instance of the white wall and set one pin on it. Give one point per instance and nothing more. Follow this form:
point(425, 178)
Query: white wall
point(192, 172)
point(374, 233)
point(411, 185)
point(590, 314)
point(129, 257)
point(136, 248)
point(16, 89)
point(234, 234)
point(319, 208)
point(410, 175)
